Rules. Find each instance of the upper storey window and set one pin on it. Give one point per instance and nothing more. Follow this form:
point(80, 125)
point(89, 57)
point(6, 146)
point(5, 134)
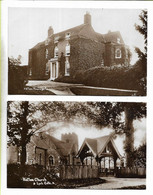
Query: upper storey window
point(46, 42)
point(118, 40)
point(56, 39)
point(67, 49)
point(118, 53)
point(56, 52)
point(67, 35)
point(46, 53)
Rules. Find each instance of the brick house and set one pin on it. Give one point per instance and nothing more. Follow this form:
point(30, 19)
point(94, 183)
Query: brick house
point(77, 49)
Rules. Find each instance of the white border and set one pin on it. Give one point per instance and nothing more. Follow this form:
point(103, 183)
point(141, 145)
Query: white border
point(148, 99)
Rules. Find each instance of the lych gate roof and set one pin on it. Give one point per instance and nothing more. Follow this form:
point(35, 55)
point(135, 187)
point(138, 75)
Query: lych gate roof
point(97, 145)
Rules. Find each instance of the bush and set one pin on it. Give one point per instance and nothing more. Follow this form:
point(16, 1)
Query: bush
point(15, 173)
point(120, 77)
point(17, 78)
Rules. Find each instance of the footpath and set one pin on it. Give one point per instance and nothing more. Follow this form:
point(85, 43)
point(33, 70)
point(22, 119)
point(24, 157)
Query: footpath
point(117, 183)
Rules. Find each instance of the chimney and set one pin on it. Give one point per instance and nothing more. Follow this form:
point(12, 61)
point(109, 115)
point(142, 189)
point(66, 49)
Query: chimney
point(50, 31)
point(87, 18)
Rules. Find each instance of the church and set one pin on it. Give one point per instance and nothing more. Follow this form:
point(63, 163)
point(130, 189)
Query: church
point(75, 50)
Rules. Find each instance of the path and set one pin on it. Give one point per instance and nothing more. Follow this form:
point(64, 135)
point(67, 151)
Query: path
point(60, 88)
point(116, 183)
point(56, 87)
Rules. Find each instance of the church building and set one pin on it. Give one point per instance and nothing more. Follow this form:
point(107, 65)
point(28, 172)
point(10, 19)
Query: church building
point(66, 53)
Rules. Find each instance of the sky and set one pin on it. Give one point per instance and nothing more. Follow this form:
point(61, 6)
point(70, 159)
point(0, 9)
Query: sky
point(28, 26)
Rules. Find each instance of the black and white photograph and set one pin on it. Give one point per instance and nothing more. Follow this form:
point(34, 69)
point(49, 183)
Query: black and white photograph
point(76, 97)
point(71, 51)
point(76, 145)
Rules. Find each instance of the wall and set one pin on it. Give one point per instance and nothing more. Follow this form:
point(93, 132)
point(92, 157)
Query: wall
point(78, 172)
point(110, 59)
point(37, 60)
point(71, 138)
point(85, 54)
point(12, 154)
point(32, 155)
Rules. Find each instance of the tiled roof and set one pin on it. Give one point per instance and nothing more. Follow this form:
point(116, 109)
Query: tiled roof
point(112, 37)
point(83, 30)
point(62, 148)
point(86, 31)
point(97, 145)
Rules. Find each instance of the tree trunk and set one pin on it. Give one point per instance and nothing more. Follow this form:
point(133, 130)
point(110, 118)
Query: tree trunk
point(23, 155)
point(129, 136)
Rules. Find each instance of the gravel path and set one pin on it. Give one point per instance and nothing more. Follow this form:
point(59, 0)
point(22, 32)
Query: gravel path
point(116, 183)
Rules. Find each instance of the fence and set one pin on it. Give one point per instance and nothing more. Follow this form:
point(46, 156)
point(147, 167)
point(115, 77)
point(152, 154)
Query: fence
point(131, 172)
point(78, 171)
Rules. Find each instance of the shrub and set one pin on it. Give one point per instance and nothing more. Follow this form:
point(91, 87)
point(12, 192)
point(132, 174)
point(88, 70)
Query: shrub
point(17, 78)
point(120, 77)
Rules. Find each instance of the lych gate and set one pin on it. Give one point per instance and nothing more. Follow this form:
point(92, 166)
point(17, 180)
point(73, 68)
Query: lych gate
point(101, 152)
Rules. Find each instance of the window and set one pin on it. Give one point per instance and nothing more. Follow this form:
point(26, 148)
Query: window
point(46, 53)
point(51, 160)
point(118, 53)
point(47, 68)
point(67, 35)
point(67, 68)
point(56, 39)
point(118, 40)
point(46, 42)
point(56, 52)
point(30, 72)
point(67, 50)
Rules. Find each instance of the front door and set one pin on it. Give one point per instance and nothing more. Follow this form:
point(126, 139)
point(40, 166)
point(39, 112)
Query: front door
point(54, 70)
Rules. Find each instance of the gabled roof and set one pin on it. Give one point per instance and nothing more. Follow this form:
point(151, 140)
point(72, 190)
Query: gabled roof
point(62, 148)
point(112, 37)
point(83, 30)
point(97, 145)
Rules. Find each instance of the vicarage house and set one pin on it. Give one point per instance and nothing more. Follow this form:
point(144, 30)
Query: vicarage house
point(76, 49)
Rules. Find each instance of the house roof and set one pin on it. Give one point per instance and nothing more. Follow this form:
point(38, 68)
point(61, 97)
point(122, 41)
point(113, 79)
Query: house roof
point(112, 37)
point(83, 30)
point(62, 148)
point(97, 145)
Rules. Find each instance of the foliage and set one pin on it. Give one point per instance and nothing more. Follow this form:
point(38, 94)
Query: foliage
point(139, 155)
point(25, 118)
point(13, 61)
point(119, 77)
point(17, 75)
point(142, 55)
point(143, 31)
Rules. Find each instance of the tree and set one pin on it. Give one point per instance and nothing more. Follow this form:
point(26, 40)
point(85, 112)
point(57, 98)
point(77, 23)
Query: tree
point(142, 55)
point(142, 30)
point(13, 61)
point(140, 156)
point(120, 117)
point(24, 119)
